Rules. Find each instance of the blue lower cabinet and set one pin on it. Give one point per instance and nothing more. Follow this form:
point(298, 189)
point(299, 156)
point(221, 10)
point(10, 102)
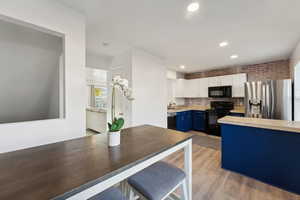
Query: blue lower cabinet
point(184, 121)
point(199, 120)
point(267, 155)
point(237, 114)
point(189, 122)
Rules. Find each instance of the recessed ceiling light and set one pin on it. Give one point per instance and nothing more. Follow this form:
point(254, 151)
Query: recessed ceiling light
point(223, 44)
point(192, 7)
point(182, 67)
point(234, 56)
point(105, 44)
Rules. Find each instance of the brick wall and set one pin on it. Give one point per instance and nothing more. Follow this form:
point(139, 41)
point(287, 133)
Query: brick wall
point(274, 70)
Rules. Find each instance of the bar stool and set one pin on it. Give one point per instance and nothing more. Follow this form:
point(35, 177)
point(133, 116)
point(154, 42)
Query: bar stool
point(109, 194)
point(157, 182)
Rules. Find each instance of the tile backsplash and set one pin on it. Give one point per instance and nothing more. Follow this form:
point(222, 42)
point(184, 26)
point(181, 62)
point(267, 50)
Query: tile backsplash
point(206, 101)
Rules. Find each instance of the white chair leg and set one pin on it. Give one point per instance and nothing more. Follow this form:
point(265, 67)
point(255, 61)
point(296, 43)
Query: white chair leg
point(123, 187)
point(184, 192)
point(131, 195)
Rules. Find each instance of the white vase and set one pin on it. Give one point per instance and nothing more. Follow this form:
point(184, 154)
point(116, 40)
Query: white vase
point(114, 138)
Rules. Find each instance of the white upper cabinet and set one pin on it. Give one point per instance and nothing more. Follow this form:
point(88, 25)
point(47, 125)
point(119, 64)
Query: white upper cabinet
point(214, 81)
point(226, 80)
point(192, 88)
point(196, 88)
point(238, 88)
point(180, 88)
point(203, 87)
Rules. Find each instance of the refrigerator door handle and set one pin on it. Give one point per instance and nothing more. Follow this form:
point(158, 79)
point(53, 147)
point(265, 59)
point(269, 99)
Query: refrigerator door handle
point(273, 103)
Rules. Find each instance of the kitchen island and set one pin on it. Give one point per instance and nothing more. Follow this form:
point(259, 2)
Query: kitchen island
point(79, 169)
point(267, 150)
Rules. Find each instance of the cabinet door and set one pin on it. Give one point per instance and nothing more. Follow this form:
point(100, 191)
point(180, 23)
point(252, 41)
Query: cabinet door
point(180, 121)
point(199, 120)
point(192, 88)
point(238, 89)
point(188, 120)
point(214, 81)
point(180, 88)
point(226, 80)
point(184, 121)
point(203, 87)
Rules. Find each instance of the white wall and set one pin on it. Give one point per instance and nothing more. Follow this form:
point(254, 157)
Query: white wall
point(51, 15)
point(171, 90)
point(295, 58)
point(295, 68)
point(297, 92)
point(149, 81)
point(98, 61)
point(171, 85)
point(29, 73)
point(147, 76)
point(121, 65)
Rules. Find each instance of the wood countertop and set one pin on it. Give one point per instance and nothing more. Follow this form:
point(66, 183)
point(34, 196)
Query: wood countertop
point(281, 125)
point(237, 109)
point(188, 108)
point(60, 170)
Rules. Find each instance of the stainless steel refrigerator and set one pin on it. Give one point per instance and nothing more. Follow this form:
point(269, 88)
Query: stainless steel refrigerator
point(271, 99)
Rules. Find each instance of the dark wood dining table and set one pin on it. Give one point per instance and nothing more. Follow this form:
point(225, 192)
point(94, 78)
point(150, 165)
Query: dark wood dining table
point(81, 168)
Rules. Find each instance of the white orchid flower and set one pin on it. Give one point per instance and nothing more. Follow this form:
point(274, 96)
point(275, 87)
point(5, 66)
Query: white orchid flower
point(124, 82)
point(123, 86)
point(116, 79)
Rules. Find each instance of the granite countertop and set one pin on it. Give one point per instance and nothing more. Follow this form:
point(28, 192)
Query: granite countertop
point(282, 125)
point(237, 109)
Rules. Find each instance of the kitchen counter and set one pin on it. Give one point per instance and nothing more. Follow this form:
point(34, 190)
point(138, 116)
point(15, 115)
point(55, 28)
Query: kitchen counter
point(238, 109)
point(264, 149)
point(96, 120)
point(187, 108)
point(281, 125)
point(97, 110)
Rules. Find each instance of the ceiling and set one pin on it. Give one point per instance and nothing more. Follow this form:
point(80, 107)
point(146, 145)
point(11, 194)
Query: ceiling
point(257, 30)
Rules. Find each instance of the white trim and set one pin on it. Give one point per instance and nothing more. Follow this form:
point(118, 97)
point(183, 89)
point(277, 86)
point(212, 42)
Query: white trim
point(188, 168)
point(100, 187)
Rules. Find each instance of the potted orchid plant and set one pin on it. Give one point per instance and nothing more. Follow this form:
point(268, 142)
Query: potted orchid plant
point(118, 85)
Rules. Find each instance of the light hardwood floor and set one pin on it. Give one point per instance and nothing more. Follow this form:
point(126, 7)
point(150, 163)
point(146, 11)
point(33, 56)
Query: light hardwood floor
point(211, 182)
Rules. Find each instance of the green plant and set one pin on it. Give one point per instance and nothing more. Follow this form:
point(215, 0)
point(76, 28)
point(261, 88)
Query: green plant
point(116, 125)
point(118, 84)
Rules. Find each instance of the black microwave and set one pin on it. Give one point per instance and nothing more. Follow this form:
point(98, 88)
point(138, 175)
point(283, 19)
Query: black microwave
point(220, 92)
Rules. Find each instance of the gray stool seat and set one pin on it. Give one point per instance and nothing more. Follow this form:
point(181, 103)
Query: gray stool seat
point(109, 194)
point(157, 180)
